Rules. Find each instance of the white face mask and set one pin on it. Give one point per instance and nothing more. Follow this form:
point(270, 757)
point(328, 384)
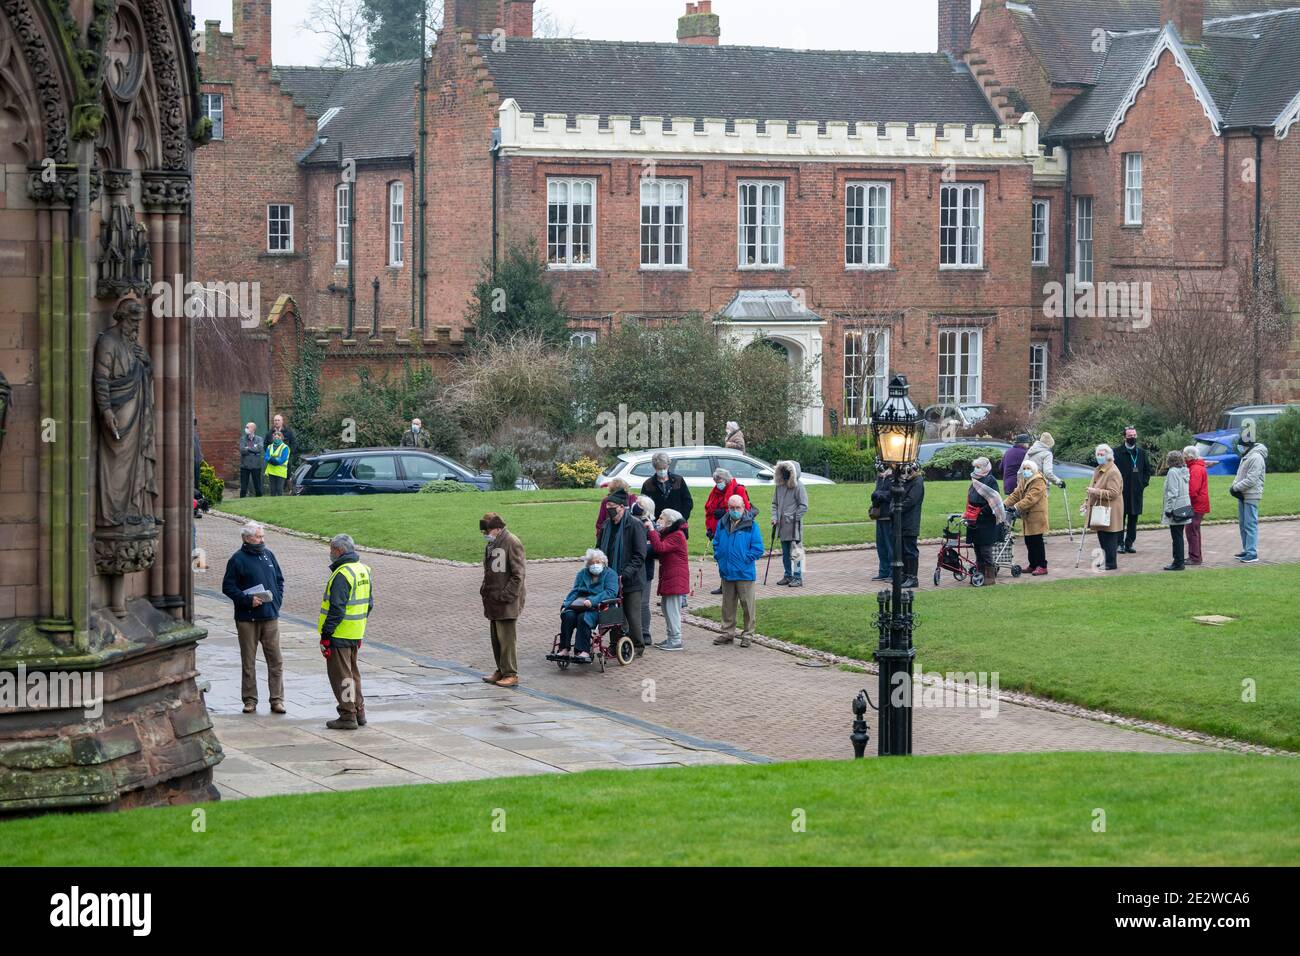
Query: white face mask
point(662, 473)
point(596, 569)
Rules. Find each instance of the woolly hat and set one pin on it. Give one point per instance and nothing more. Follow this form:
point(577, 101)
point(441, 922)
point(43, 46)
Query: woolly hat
point(1047, 440)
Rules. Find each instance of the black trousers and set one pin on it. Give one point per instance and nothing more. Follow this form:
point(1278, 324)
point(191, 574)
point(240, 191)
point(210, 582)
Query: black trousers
point(632, 612)
point(277, 485)
point(911, 555)
point(1176, 533)
point(570, 621)
point(250, 477)
point(1037, 551)
point(1130, 529)
point(1110, 547)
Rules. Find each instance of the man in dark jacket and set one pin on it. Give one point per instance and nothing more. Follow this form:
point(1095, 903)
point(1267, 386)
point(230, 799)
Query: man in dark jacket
point(1135, 468)
point(255, 585)
point(416, 436)
point(913, 499)
point(345, 608)
point(1012, 461)
point(667, 489)
point(881, 505)
point(623, 539)
point(251, 461)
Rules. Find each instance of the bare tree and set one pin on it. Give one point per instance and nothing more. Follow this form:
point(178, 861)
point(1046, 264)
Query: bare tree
point(548, 25)
point(341, 22)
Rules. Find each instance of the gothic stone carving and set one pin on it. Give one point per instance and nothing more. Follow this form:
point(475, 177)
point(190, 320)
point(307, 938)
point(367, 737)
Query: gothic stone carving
point(37, 53)
point(59, 185)
point(165, 189)
point(124, 263)
point(171, 100)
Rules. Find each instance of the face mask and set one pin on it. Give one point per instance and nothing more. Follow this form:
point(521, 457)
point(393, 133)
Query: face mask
point(720, 485)
point(596, 569)
point(662, 473)
point(1026, 474)
point(1130, 442)
point(487, 537)
point(735, 513)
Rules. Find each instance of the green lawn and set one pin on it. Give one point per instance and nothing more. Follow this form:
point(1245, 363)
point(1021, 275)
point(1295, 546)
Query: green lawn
point(1019, 809)
point(1124, 644)
point(563, 523)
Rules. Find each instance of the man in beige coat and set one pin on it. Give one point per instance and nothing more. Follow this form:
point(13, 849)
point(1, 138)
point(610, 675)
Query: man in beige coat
point(503, 596)
point(1106, 491)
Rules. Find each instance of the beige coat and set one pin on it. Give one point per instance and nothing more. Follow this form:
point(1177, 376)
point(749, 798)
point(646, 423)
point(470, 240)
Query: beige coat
point(1031, 498)
point(1110, 491)
point(503, 578)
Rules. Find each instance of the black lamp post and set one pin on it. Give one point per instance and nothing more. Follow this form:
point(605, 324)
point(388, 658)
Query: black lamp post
point(897, 427)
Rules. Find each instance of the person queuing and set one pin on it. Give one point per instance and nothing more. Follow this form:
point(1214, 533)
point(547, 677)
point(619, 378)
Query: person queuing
point(667, 489)
point(624, 539)
point(643, 510)
point(416, 436)
point(735, 437)
point(1030, 502)
point(1135, 468)
point(913, 500)
point(503, 592)
point(789, 505)
point(1011, 462)
point(250, 461)
point(1040, 453)
point(596, 584)
point(881, 511)
point(668, 542)
point(984, 515)
point(255, 585)
point(1199, 490)
point(278, 425)
point(614, 487)
point(277, 464)
point(737, 546)
point(724, 487)
point(1176, 512)
point(1103, 507)
point(1248, 489)
point(344, 610)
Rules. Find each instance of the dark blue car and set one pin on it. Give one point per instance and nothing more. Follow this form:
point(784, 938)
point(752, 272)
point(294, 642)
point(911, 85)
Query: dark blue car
point(1218, 449)
point(369, 471)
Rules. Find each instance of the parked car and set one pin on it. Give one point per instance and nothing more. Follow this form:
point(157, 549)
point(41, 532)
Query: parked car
point(696, 465)
point(1064, 470)
point(1219, 448)
point(947, 419)
point(368, 471)
point(1234, 417)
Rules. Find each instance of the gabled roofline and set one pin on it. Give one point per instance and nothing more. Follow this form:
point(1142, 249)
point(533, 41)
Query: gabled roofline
point(1168, 41)
point(1287, 118)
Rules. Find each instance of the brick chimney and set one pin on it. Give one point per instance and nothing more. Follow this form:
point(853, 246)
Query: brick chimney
point(1187, 16)
point(251, 20)
point(954, 26)
point(700, 26)
point(477, 16)
point(519, 18)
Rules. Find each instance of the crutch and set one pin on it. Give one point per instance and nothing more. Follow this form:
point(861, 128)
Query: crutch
point(1082, 537)
point(1069, 518)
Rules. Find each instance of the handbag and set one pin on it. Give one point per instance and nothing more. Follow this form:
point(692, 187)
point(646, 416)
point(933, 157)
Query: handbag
point(1099, 516)
point(1181, 515)
point(972, 512)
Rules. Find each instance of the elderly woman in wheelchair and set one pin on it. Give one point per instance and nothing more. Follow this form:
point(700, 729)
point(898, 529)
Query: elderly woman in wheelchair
point(596, 584)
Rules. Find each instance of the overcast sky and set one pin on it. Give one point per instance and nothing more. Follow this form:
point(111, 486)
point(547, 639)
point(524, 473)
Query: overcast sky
point(905, 25)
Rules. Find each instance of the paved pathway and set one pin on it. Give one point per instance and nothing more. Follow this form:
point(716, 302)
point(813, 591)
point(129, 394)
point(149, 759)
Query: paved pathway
point(758, 700)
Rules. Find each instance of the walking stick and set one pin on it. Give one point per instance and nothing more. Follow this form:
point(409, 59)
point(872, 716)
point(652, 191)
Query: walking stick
point(1069, 518)
point(1082, 537)
point(770, 549)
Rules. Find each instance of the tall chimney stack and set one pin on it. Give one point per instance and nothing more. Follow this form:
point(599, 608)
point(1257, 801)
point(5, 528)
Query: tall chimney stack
point(251, 21)
point(700, 26)
point(954, 26)
point(479, 17)
point(1187, 16)
point(519, 18)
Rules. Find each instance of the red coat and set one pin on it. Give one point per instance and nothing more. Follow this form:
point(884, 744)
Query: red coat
point(717, 503)
point(674, 562)
point(1198, 486)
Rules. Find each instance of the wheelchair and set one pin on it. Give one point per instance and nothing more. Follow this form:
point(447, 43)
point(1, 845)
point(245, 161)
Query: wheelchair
point(609, 640)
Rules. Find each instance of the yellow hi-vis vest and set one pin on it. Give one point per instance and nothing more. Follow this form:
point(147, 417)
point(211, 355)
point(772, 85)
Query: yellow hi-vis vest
point(353, 625)
point(280, 471)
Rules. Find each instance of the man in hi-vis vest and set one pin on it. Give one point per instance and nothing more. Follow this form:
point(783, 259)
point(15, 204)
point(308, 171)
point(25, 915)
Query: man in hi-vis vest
point(343, 611)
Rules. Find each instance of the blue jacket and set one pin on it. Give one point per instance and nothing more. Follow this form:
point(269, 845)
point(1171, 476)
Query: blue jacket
point(247, 568)
point(738, 551)
point(596, 590)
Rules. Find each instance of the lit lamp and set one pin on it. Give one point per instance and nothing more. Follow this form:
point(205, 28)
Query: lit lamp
point(898, 428)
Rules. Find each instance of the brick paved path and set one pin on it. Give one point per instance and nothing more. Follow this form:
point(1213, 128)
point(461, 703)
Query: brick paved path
point(759, 700)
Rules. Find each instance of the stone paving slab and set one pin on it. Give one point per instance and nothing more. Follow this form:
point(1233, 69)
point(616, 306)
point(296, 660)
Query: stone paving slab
point(760, 702)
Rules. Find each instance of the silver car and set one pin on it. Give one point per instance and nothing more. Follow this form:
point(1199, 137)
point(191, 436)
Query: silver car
point(696, 465)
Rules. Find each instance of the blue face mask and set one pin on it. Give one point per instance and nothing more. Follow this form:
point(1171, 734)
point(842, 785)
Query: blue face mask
point(735, 513)
point(720, 485)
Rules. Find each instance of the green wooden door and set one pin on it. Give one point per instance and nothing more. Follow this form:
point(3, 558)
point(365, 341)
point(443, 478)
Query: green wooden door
point(253, 408)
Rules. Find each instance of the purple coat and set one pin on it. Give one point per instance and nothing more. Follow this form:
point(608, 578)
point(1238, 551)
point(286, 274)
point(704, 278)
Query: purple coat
point(1011, 463)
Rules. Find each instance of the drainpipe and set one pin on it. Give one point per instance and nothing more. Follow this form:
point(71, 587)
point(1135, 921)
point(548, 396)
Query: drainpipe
point(352, 256)
point(496, 155)
point(1255, 264)
point(1069, 246)
point(424, 135)
point(374, 320)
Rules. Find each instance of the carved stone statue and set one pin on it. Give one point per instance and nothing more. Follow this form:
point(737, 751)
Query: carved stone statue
point(123, 380)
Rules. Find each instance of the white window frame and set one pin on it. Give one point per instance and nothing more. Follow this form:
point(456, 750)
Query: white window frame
point(1038, 363)
point(879, 382)
point(217, 116)
point(958, 382)
point(660, 207)
point(553, 188)
point(759, 226)
point(342, 225)
point(279, 205)
point(582, 339)
point(858, 228)
point(1084, 242)
point(1040, 231)
point(963, 192)
point(396, 223)
point(1132, 189)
